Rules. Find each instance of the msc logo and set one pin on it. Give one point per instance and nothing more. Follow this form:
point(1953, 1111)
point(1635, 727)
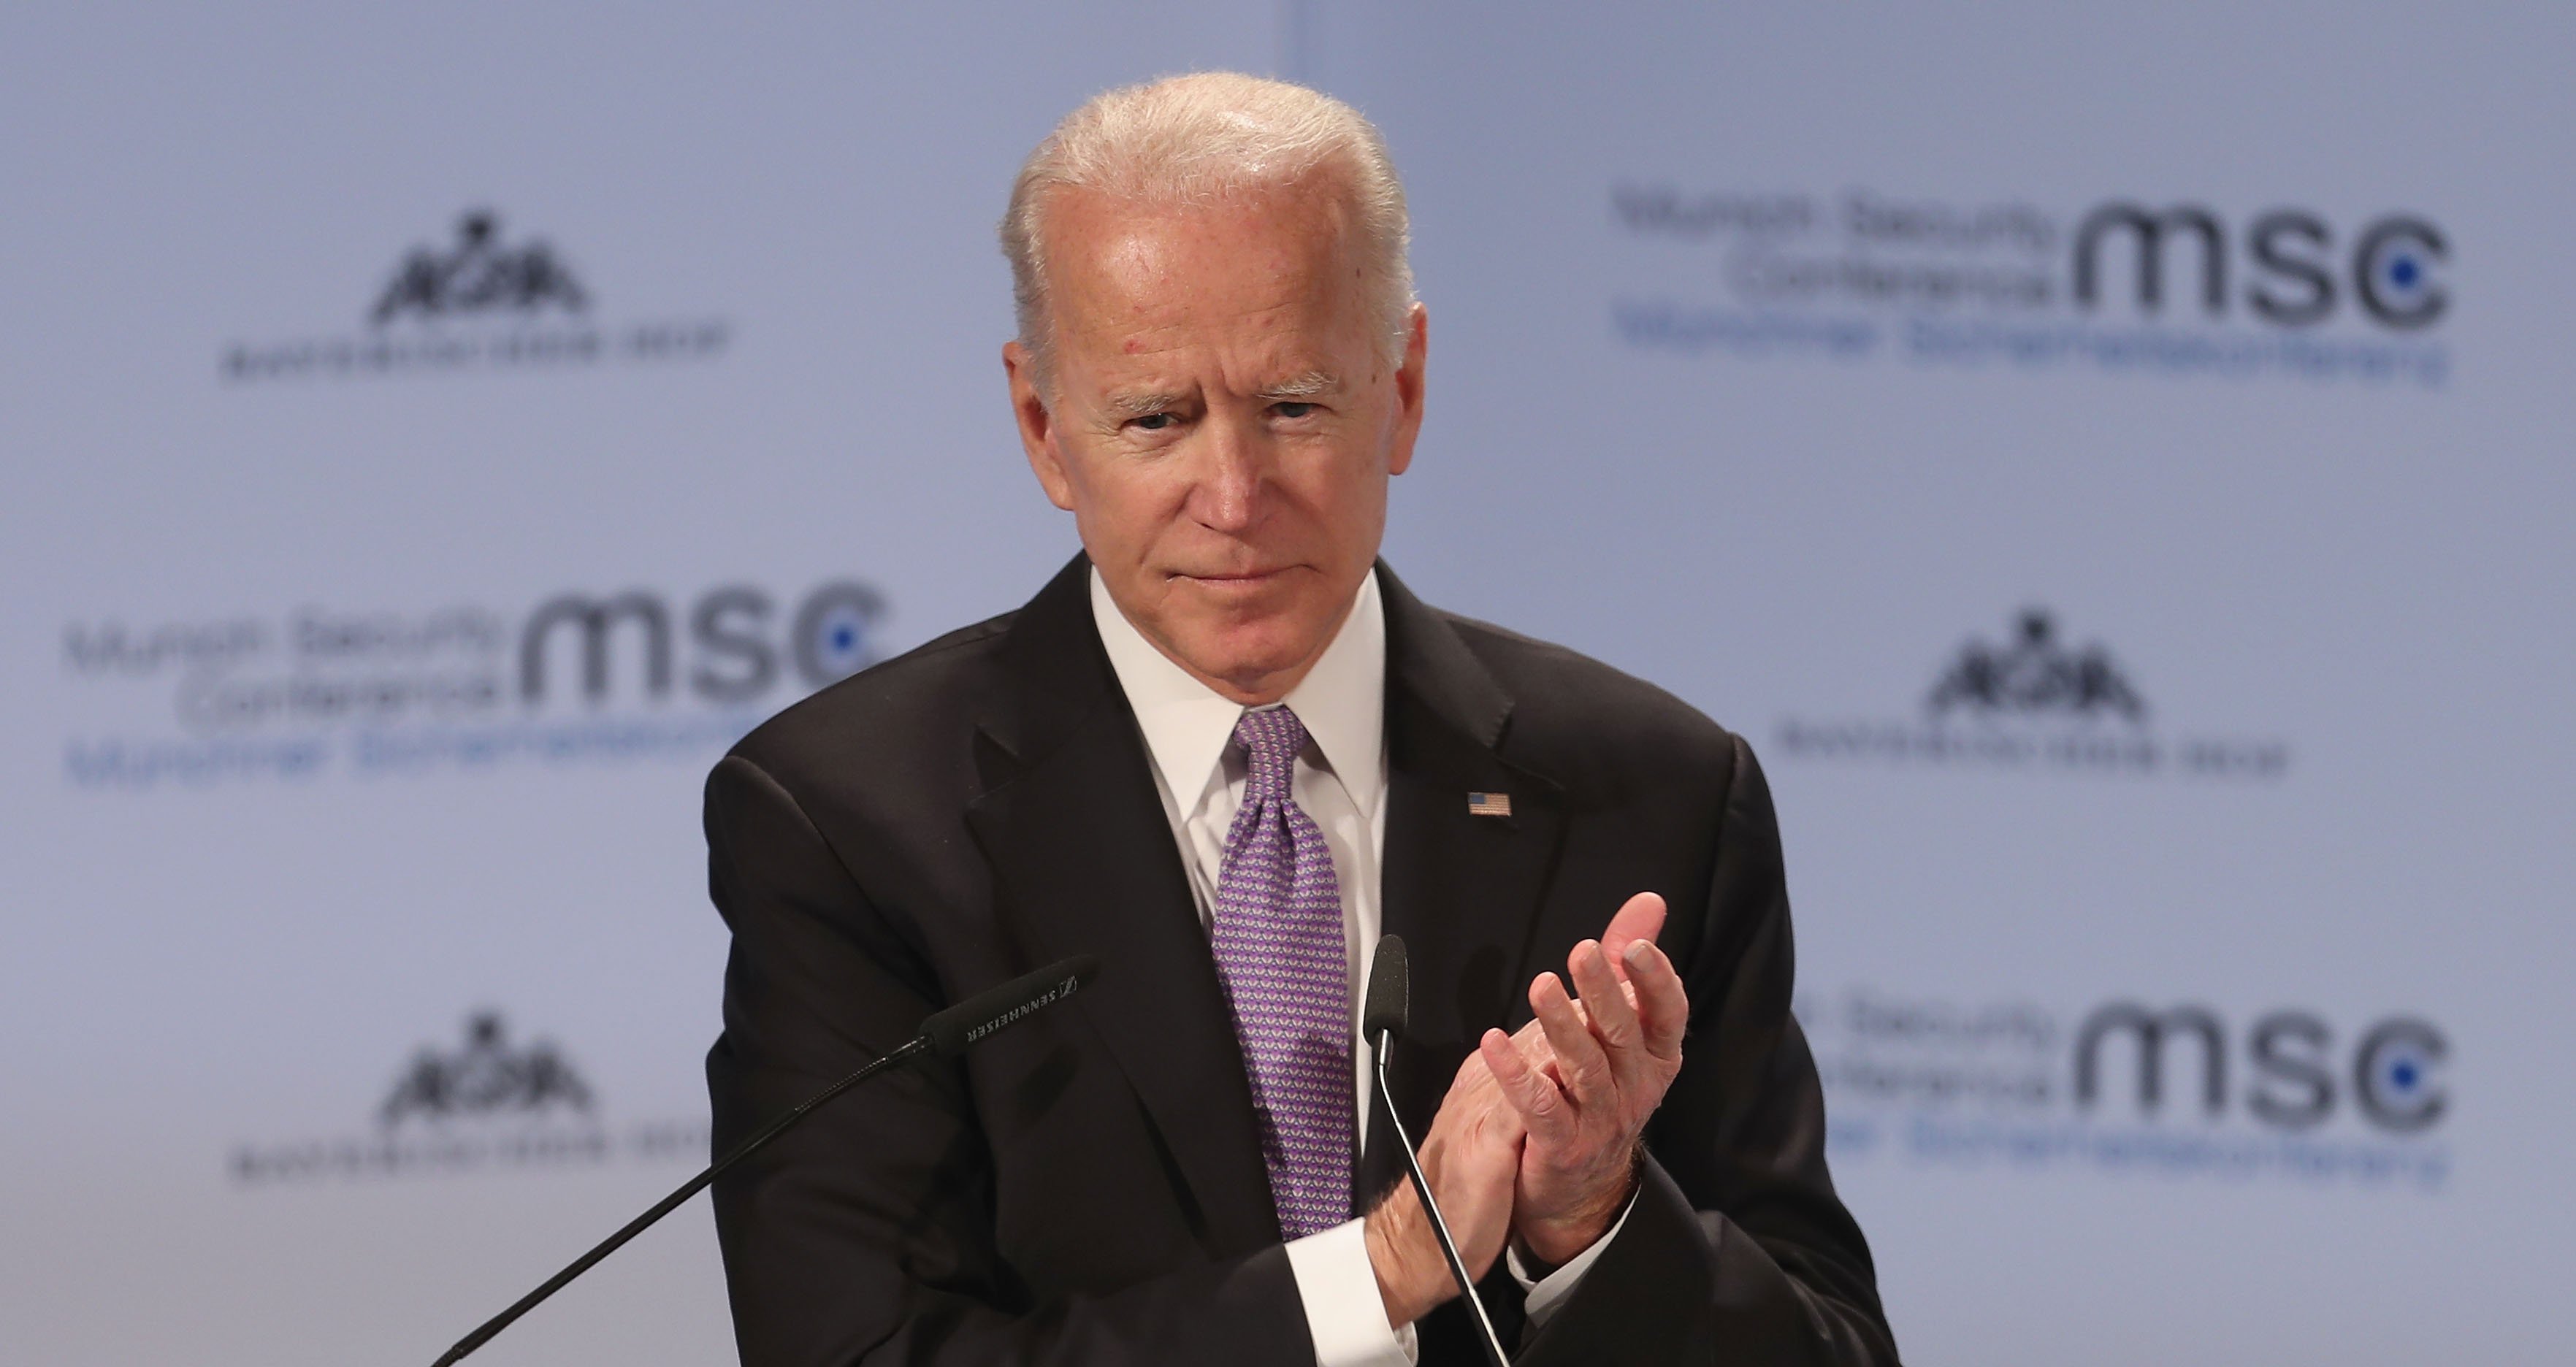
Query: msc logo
point(2036, 674)
point(478, 275)
point(735, 651)
point(485, 1077)
point(2294, 274)
point(2295, 1082)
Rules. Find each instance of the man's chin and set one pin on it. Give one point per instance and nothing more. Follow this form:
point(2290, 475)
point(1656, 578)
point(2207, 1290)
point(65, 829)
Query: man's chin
point(1256, 634)
point(1261, 656)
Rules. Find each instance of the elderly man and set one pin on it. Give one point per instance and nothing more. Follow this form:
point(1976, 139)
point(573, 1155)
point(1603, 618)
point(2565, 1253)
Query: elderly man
point(1224, 750)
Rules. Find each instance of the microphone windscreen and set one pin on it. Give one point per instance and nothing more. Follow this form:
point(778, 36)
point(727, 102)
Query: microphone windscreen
point(960, 1027)
point(1388, 1005)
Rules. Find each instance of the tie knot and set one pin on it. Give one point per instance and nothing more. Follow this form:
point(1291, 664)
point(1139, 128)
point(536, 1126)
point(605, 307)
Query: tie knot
point(1271, 737)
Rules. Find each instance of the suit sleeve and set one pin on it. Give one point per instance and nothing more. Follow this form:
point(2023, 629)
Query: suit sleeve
point(1736, 1250)
point(865, 1235)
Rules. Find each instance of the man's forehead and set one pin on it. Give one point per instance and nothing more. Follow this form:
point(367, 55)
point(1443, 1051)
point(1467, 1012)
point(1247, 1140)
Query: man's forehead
point(1129, 262)
point(1151, 303)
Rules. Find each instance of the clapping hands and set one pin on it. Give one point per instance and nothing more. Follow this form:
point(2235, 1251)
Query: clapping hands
point(1538, 1138)
point(1586, 1076)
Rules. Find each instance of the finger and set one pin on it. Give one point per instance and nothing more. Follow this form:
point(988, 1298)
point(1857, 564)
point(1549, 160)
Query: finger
point(1614, 1019)
point(1611, 1003)
point(1533, 1036)
point(1663, 1005)
point(1540, 1105)
point(1578, 1056)
point(1531, 1041)
point(1639, 918)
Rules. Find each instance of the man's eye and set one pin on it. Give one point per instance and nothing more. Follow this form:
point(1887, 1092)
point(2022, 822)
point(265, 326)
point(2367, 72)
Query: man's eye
point(1293, 409)
point(1153, 422)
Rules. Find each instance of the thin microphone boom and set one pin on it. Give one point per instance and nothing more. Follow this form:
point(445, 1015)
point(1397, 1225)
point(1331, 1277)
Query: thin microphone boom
point(947, 1033)
point(1382, 1019)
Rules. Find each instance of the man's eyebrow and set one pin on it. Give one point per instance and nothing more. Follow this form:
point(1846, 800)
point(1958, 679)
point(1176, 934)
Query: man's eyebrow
point(1137, 405)
point(1305, 386)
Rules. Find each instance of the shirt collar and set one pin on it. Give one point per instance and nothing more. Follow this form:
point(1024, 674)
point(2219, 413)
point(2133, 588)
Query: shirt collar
point(1187, 725)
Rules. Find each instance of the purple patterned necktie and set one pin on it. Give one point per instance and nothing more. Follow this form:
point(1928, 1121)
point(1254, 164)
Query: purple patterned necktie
point(1279, 950)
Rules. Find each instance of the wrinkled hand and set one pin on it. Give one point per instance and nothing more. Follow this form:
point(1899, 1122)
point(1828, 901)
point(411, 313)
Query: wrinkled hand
point(1586, 1076)
point(1473, 1158)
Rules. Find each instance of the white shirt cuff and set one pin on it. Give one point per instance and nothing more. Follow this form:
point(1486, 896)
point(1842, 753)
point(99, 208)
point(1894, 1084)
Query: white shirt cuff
point(1546, 1293)
point(1344, 1312)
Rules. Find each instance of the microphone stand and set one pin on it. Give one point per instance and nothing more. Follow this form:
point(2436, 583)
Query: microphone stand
point(667, 1204)
point(1492, 1342)
point(947, 1033)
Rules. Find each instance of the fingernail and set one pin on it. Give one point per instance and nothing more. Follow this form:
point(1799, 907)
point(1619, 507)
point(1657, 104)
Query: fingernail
point(1640, 954)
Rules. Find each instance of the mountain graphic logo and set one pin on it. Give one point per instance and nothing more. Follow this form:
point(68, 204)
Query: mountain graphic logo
point(485, 1077)
point(484, 300)
point(478, 275)
point(2036, 674)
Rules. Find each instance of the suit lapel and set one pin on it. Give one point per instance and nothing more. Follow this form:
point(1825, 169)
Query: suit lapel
point(1462, 889)
point(1084, 862)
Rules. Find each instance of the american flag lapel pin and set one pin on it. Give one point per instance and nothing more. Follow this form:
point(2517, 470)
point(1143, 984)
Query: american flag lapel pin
point(1489, 804)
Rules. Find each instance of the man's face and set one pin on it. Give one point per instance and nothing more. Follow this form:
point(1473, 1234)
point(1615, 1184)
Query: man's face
point(1222, 422)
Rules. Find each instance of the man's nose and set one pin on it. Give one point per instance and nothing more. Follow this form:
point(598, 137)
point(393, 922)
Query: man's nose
point(1235, 469)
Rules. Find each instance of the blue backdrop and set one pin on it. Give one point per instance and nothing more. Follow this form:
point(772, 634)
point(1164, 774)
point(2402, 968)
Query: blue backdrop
point(2113, 467)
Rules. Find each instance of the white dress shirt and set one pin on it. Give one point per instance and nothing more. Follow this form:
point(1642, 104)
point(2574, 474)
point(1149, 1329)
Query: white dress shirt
point(1340, 782)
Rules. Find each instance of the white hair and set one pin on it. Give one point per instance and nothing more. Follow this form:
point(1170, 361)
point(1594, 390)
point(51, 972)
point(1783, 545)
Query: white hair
point(1199, 139)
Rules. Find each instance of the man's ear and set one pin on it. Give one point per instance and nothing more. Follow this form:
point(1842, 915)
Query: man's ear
point(1408, 389)
point(1037, 427)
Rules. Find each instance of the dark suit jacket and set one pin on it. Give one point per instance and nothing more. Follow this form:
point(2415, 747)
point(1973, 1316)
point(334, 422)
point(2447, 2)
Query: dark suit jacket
point(1087, 1187)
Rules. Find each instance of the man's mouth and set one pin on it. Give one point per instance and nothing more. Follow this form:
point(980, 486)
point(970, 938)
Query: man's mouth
point(1237, 578)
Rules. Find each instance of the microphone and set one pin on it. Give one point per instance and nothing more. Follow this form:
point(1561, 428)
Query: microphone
point(946, 1033)
point(954, 1030)
point(1383, 1016)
